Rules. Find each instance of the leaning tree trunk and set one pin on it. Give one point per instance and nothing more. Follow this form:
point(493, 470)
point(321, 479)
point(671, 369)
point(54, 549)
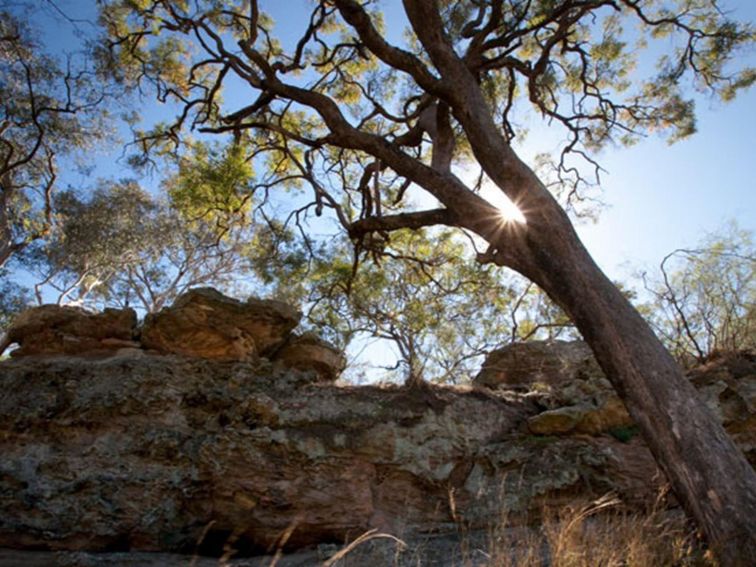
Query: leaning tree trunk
point(708, 472)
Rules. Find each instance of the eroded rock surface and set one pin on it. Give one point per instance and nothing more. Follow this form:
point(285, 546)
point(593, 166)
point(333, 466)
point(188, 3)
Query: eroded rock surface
point(310, 352)
point(54, 329)
point(205, 323)
point(567, 382)
point(148, 452)
point(727, 384)
point(545, 363)
point(202, 323)
point(178, 454)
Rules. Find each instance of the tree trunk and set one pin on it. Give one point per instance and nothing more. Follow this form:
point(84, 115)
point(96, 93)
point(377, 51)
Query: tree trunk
point(6, 236)
point(709, 474)
point(707, 471)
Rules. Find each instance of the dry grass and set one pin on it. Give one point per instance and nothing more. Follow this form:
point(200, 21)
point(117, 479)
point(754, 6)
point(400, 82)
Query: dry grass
point(594, 534)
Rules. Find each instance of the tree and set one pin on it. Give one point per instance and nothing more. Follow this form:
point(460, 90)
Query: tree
point(13, 299)
point(120, 247)
point(704, 300)
point(424, 296)
point(47, 112)
point(361, 120)
point(427, 298)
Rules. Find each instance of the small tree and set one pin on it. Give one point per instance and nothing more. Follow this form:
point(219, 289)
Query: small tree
point(704, 300)
point(13, 299)
point(122, 247)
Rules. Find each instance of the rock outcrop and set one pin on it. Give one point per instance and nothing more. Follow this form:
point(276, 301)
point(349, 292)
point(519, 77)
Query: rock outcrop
point(574, 396)
point(566, 381)
point(147, 452)
point(205, 323)
point(202, 323)
point(310, 352)
point(545, 363)
point(54, 329)
point(727, 383)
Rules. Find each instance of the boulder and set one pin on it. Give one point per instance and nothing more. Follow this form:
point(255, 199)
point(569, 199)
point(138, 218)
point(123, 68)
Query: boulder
point(56, 329)
point(565, 379)
point(589, 418)
point(542, 363)
point(308, 352)
point(557, 421)
point(205, 323)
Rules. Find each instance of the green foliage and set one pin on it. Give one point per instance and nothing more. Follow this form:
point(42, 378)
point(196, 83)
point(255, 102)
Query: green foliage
point(114, 225)
point(13, 299)
point(577, 65)
point(212, 185)
point(120, 246)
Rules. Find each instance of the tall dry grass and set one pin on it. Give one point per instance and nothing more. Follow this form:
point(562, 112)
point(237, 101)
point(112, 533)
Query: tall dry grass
point(597, 534)
point(592, 534)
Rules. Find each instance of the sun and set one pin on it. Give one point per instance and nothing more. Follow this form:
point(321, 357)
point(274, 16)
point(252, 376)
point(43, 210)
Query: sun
point(511, 212)
point(508, 210)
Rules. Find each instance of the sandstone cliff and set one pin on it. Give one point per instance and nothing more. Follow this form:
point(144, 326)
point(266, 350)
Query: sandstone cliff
point(151, 451)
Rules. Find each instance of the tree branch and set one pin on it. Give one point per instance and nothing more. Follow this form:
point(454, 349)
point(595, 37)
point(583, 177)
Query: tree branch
point(412, 221)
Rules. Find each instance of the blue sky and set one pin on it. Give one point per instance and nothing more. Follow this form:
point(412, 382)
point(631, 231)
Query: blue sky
point(665, 197)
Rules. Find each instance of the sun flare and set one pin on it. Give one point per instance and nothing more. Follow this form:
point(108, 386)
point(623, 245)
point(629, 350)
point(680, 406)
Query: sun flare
point(511, 212)
point(507, 209)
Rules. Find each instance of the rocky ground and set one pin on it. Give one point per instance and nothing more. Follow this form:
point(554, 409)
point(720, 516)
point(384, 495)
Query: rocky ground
point(112, 451)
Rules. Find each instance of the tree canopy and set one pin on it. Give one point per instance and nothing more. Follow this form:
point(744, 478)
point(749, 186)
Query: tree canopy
point(48, 110)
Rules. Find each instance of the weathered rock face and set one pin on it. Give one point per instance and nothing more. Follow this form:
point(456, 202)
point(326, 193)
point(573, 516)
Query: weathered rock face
point(310, 352)
point(179, 454)
point(567, 382)
point(202, 323)
point(728, 386)
point(53, 329)
point(205, 323)
point(146, 452)
point(547, 363)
